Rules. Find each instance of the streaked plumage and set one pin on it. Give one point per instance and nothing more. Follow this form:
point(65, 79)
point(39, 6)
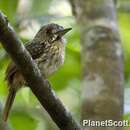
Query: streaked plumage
point(47, 49)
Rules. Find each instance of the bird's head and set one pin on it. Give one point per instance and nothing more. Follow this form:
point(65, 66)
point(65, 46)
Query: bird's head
point(51, 33)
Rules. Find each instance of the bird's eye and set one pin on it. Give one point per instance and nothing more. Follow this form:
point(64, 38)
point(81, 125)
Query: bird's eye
point(54, 37)
point(58, 37)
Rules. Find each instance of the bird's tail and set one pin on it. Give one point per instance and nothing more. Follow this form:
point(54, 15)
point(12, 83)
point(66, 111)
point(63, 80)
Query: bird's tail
point(14, 81)
point(9, 103)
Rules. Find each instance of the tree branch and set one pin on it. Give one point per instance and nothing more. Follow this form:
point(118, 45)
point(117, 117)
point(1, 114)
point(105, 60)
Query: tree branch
point(40, 87)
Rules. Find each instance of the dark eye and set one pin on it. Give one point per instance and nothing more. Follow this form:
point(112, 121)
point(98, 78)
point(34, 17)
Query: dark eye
point(53, 38)
point(58, 38)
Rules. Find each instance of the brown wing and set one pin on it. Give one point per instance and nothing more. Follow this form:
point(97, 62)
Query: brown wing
point(15, 79)
point(36, 49)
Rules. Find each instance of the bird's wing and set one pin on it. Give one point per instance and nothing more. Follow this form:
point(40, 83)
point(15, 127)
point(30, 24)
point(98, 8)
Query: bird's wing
point(10, 71)
point(36, 49)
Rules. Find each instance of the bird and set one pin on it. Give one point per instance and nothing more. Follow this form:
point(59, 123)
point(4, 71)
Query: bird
point(47, 49)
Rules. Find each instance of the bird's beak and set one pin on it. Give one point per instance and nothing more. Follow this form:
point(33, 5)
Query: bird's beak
point(63, 32)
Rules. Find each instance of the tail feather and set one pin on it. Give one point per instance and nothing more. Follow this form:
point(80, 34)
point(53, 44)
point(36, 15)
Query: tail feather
point(8, 104)
point(15, 81)
point(10, 73)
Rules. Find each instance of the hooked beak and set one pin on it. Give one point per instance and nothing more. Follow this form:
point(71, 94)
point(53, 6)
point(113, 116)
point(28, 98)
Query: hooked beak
point(63, 32)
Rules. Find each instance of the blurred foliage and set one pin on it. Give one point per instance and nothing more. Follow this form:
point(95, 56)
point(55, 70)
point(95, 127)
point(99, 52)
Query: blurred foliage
point(9, 8)
point(124, 20)
point(26, 122)
point(27, 17)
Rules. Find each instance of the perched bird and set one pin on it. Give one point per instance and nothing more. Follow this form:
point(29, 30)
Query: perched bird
point(48, 51)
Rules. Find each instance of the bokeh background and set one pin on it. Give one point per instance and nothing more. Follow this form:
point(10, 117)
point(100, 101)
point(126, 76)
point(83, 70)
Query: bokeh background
point(27, 16)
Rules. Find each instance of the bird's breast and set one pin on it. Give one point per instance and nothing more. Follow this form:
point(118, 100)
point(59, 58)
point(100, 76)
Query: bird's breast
point(50, 61)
